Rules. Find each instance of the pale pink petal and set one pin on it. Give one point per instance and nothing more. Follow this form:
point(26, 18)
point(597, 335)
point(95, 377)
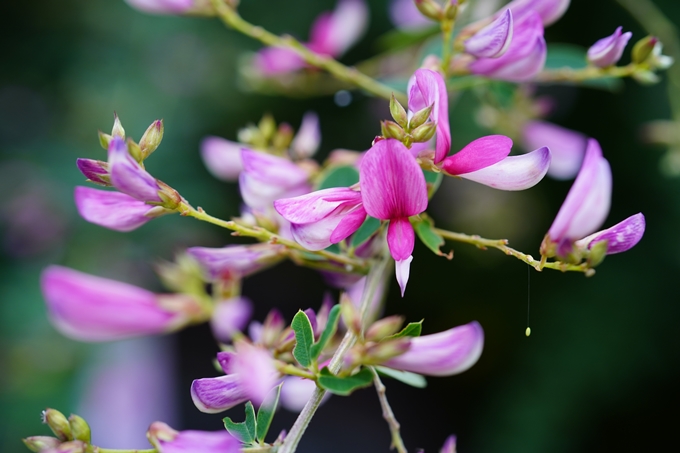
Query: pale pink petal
point(317, 205)
point(255, 369)
point(334, 33)
point(272, 61)
point(214, 395)
point(607, 51)
point(493, 40)
point(222, 158)
point(392, 183)
point(296, 391)
point(567, 147)
point(403, 270)
point(162, 6)
point(308, 138)
point(621, 237)
point(548, 10)
point(514, 172)
point(128, 176)
point(478, 154)
point(426, 88)
point(113, 210)
point(449, 445)
point(229, 317)
point(405, 15)
point(266, 178)
point(197, 442)
point(442, 354)
point(236, 260)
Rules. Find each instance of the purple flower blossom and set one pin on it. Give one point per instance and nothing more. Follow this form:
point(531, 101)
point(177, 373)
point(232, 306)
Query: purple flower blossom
point(405, 15)
point(449, 445)
point(621, 237)
point(308, 137)
point(549, 11)
point(167, 440)
point(493, 40)
point(426, 88)
point(95, 171)
point(393, 188)
point(567, 147)
point(114, 210)
point(236, 260)
point(222, 157)
point(128, 176)
point(167, 6)
point(89, 308)
point(229, 317)
point(442, 354)
point(607, 51)
point(215, 395)
point(296, 391)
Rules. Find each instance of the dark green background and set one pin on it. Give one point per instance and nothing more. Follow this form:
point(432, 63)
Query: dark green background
point(599, 372)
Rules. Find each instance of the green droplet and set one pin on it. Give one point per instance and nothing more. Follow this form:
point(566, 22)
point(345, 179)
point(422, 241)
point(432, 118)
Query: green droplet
point(528, 331)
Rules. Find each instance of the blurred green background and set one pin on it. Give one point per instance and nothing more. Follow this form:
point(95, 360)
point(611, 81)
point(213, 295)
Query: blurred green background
point(599, 372)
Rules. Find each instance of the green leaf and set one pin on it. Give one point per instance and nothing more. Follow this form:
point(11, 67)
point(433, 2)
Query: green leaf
point(571, 56)
point(265, 413)
point(344, 176)
point(344, 385)
point(304, 338)
point(238, 430)
point(333, 248)
point(365, 231)
point(251, 422)
point(328, 332)
point(504, 92)
point(425, 231)
point(412, 379)
point(413, 329)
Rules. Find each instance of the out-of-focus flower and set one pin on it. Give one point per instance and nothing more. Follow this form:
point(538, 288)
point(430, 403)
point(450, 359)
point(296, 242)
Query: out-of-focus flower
point(393, 188)
point(442, 354)
point(493, 40)
point(607, 51)
point(296, 391)
point(449, 445)
point(332, 34)
point(236, 261)
point(405, 15)
point(171, 6)
point(168, 440)
point(308, 138)
point(266, 178)
point(549, 11)
point(89, 308)
point(229, 317)
point(222, 157)
point(567, 147)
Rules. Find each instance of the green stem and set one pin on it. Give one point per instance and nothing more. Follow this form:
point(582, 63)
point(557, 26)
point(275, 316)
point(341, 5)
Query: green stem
point(231, 18)
point(447, 49)
point(293, 438)
point(388, 414)
point(502, 245)
point(583, 74)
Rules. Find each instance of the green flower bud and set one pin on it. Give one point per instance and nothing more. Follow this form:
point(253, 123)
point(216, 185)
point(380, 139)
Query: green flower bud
point(151, 138)
point(134, 150)
point(430, 9)
point(643, 49)
point(451, 11)
point(104, 140)
point(40, 443)
point(57, 423)
point(283, 137)
point(117, 130)
point(79, 428)
point(384, 327)
point(386, 350)
point(267, 126)
point(398, 112)
point(390, 129)
point(424, 133)
point(420, 117)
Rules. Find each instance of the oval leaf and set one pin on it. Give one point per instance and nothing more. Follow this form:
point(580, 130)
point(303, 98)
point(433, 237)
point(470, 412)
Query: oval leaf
point(328, 332)
point(413, 329)
point(344, 385)
point(304, 338)
point(265, 413)
point(412, 379)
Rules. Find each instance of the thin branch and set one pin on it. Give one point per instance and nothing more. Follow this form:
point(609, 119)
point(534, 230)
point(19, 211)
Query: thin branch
point(388, 415)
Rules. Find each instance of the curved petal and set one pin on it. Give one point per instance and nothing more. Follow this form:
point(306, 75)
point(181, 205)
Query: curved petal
point(426, 88)
point(403, 270)
point(229, 317)
point(567, 147)
point(317, 205)
point(621, 237)
point(201, 442)
point(94, 170)
point(548, 10)
point(493, 40)
point(308, 138)
point(392, 183)
point(162, 6)
point(400, 238)
point(222, 158)
point(214, 395)
point(514, 172)
point(113, 210)
point(128, 176)
point(239, 260)
point(334, 33)
point(442, 354)
point(478, 154)
point(254, 367)
point(607, 51)
point(266, 178)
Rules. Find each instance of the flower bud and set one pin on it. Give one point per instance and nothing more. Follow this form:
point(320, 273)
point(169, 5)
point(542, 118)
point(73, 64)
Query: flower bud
point(398, 112)
point(117, 130)
point(390, 129)
point(424, 132)
point(283, 137)
point(57, 423)
point(267, 126)
point(386, 350)
point(419, 118)
point(79, 428)
point(384, 327)
point(104, 139)
point(151, 138)
point(430, 8)
point(134, 150)
point(598, 252)
point(40, 443)
point(451, 10)
point(95, 171)
point(170, 197)
point(350, 314)
point(643, 49)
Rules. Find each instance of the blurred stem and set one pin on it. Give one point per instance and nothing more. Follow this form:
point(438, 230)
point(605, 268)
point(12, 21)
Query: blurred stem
point(656, 23)
point(387, 413)
point(502, 245)
point(447, 49)
point(110, 450)
point(587, 73)
point(348, 264)
point(231, 18)
point(374, 277)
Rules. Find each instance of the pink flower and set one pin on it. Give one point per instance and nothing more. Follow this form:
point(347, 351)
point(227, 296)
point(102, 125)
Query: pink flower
point(169, 6)
point(168, 440)
point(549, 11)
point(405, 15)
point(607, 51)
point(567, 147)
point(442, 354)
point(266, 178)
point(449, 445)
point(393, 188)
point(308, 137)
point(89, 308)
point(621, 237)
point(236, 261)
point(229, 317)
point(128, 176)
point(493, 40)
point(222, 157)
point(426, 88)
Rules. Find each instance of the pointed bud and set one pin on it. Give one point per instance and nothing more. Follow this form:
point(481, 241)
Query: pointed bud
point(267, 126)
point(597, 253)
point(424, 133)
point(79, 428)
point(430, 8)
point(386, 350)
point(390, 129)
point(384, 327)
point(134, 150)
point(398, 112)
point(643, 49)
point(104, 139)
point(451, 10)
point(420, 117)
point(170, 197)
point(117, 130)
point(40, 443)
point(350, 315)
point(151, 138)
point(283, 137)
point(57, 423)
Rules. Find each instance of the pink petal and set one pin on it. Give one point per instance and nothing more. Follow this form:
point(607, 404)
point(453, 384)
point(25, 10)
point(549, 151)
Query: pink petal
point(272, 61)
point(400, 238)
point(162, 6)
point(128, 176)
point(514, 172)
point(214, 395)
point(308, 138)
point(94, 170)
point(334, 33)
point(607, 51)
point(567, 147)
point(89, 308)
point(296, 391)
point(255, 369)
point(442, 354)
point(236, 260)
point(392, 183)
point(201, 442)
point(317, 205)
point(426, 88)
point(493, 40)
point(405, 15)
point(548, 10)
point(621, 237)
point(478, 154)
point(449, 445)
point(403, 269)
point(113, 210)
point(587, 203)
point(266, 178)
point(229, 317)
point(222, 158)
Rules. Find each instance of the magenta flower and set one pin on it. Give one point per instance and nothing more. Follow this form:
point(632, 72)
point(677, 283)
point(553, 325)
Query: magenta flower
point(128, 176)
point(114, 210)
point(332, 34)
point(222, 157)
point(426, 88)
point(493, 40)
point(549, 11)
point(236, 261)
point(524, 58)
point(486, 161)
point(89, 308)
point(266, 178)
point(607, 51)
point(168, 440)
point(393, 188)
point(95, 171)
point(567, 147)
point(586, 206)
point(442, 354)
point(229, 317)
point(170, 6)
point(324, 217)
